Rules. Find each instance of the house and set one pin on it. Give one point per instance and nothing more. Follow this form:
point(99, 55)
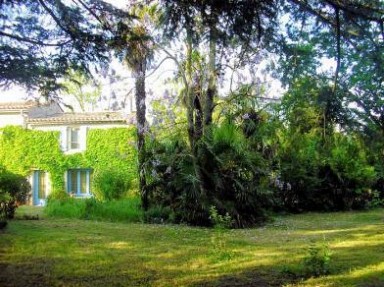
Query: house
point(15, 113)
point(53, 152)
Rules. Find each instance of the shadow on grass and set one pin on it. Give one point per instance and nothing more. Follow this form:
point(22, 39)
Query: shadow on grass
point(359, 263)
point(41, 272)
point(260, 277)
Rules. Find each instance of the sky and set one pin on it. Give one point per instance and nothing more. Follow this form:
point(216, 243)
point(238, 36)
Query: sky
point(14, 94)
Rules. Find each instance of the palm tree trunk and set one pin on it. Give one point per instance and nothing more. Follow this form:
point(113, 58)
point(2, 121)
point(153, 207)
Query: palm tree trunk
point(194, 115)
point(140, 95)
point(189, 91)
point(212, 74)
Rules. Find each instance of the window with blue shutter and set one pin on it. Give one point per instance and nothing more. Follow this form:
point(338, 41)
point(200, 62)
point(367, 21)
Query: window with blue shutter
point(79, 182)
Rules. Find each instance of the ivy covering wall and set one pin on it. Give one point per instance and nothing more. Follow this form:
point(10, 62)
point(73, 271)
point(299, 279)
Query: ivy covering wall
point(112, 150)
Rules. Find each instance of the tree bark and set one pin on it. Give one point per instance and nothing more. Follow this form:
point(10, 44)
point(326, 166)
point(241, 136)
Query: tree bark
point(142, 127)
point(212, 73)
point(194, 114)
point(189, 91)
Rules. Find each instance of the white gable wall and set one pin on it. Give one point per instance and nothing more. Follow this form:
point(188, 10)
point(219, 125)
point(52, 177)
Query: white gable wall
point(14, 119)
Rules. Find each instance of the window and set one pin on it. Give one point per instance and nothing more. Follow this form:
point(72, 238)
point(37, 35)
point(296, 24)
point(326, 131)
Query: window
point(78, 182)
point(40, 187)
point(74, 138)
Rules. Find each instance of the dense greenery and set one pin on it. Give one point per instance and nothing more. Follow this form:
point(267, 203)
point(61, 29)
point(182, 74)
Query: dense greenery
point(14, 190)
point(241, 159)
point(293, 156)
point(108, 152)
point(237, 183)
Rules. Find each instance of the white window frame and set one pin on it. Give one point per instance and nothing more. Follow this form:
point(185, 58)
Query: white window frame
point(78, 172)
point(67, 142)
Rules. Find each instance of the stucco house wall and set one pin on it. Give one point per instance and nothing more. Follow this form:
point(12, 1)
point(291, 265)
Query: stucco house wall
point(73, 129)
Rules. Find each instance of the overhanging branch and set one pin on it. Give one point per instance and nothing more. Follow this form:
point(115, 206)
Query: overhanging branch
point(32, 41)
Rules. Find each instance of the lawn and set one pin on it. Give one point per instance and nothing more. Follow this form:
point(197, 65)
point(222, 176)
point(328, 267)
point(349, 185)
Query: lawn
point(71, 252)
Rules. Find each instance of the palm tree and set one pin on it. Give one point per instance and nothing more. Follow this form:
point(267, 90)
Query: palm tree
point(137, 47)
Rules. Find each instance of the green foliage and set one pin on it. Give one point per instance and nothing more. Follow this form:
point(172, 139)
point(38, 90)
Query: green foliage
point(109, 151)
point(82, 88)
point(235, 185)
point(319, 168)
point(172, 183)
point(109, 185)
point(317, 261)
point(158, 214)
point(124, 210)
point(14, 189)
point(220, 221)
point(317, 177)
point(65, 208)
point(79, 33)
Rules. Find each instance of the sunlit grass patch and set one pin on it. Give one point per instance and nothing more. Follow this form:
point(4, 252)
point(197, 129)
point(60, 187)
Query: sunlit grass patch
point(73, 252)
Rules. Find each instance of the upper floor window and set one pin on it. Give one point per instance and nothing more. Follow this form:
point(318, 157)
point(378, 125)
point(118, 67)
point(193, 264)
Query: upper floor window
point(73, 138)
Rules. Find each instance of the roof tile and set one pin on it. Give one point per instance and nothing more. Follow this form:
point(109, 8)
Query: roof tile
point(18, 105)
point(79, 118)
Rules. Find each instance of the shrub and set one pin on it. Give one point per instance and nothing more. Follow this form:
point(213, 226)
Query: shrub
point(220, 221)
point(158, 214)
point(331, 176)
point(122, 210)
point(109, 184)
point(317, 262)
point(226, 172)
point(14, 190)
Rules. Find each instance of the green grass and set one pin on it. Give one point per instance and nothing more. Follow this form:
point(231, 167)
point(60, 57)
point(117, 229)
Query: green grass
point(73, 252)
point(123, 210)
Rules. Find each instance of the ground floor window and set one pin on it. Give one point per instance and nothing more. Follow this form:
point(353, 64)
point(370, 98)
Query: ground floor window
point(79, 182)
point(39, 187)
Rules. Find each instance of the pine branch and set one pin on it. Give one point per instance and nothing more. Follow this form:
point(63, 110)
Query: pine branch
point(32, 41)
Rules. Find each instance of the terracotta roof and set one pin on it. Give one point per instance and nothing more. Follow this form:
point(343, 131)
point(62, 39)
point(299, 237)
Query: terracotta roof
point(18, 105)
point(81, 118)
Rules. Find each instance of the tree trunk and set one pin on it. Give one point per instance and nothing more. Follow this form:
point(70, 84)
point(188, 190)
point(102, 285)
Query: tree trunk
point(189, 91)
point(194, 114)
point(140, 95)
point(212, 74)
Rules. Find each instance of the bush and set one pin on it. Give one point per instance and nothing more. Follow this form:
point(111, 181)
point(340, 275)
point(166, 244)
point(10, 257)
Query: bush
point(232, 178)
point(314, 176)
point(158, 214)
point(220, 221)
point(317, 262)
point(109, 185)
point(14, 190)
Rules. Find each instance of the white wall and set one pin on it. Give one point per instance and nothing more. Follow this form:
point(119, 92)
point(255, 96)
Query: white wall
point(15, 119)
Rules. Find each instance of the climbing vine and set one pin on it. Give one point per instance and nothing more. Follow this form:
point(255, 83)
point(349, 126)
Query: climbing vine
point(112, 150)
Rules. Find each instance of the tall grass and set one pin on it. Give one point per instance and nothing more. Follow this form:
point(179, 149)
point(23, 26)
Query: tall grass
point(123, 210)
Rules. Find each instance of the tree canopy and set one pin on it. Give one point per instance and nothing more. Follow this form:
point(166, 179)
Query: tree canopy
point(42, 40)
